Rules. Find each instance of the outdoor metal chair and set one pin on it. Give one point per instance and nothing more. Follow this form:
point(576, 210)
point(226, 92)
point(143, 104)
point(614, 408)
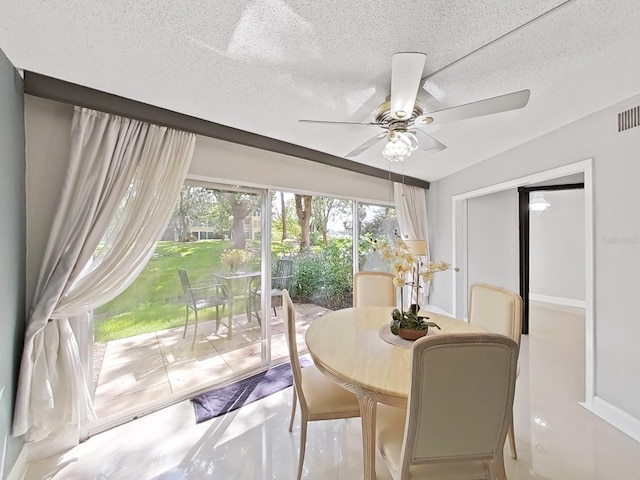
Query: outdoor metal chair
point(282, 279)
point(200, 295)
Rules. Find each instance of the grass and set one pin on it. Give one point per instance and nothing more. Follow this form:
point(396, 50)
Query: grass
point(154, 300)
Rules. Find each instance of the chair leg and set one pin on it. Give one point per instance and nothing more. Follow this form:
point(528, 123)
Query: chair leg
point(512, 440)
point(218, 317)
point(303, 443)
point(275, 314)
point(255, 302)
point(293, 408)
point(186, 322)
point(195, 328)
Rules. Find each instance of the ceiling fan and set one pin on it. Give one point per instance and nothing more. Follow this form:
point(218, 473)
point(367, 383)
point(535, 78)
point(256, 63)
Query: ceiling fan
point(401, 115)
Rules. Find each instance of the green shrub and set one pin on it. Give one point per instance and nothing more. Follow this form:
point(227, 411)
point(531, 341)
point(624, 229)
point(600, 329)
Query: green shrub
point(325, 277)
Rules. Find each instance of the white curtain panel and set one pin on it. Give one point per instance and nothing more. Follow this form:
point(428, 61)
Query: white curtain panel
point(411, 209)
point(119, 193)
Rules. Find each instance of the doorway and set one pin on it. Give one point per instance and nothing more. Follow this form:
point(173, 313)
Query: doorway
point(460, 250)
point(526, 197)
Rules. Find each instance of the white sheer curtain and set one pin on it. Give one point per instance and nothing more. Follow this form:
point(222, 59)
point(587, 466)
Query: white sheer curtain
point(123, 178)
point(411, 209)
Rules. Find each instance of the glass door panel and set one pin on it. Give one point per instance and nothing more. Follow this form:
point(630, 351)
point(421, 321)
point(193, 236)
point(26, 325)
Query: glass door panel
point(375, 223)
point(147, 347)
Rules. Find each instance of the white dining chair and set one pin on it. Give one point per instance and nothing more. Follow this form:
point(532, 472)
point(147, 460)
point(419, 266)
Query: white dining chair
point(497, 310)
point(458, 409)
point(374, 289)
point(320, 398)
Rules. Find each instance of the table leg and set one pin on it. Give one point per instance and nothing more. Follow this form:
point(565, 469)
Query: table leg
point(368, 407)
point(230, 305)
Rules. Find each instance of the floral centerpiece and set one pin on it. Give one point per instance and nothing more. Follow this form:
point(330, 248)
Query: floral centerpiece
point(235, 258)
point(408, 269)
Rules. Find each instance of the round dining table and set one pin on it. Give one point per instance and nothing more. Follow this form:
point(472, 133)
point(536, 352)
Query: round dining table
point(353, 347)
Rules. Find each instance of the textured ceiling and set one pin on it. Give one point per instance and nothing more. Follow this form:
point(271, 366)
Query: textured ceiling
point(262, 65)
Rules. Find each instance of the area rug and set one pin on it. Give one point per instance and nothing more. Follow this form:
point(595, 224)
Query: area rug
point(231, 397)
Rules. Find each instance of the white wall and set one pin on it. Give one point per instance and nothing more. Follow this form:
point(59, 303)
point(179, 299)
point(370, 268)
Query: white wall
point(616, 243)
point(556, 249)
point(492, 240)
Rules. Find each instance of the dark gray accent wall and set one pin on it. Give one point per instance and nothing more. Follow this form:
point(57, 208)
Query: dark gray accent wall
point(73, 94)
point(12, 249)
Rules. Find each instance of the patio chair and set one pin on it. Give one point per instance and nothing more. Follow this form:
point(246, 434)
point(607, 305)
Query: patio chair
point(282, 279)
point(458, 410)
point(200, 295)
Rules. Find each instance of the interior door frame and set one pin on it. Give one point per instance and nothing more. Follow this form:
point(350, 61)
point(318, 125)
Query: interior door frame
point(524, 214)
point(459, 288)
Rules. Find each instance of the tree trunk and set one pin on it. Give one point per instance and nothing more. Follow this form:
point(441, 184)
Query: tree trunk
point(304, 216)
point(284, 217)
point(239, 238)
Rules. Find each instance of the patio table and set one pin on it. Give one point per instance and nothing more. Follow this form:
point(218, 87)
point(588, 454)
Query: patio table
point(229, 279)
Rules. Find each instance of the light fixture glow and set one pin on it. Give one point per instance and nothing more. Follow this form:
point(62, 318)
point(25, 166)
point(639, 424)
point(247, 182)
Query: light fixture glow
point(538, 203)
point(400, 146)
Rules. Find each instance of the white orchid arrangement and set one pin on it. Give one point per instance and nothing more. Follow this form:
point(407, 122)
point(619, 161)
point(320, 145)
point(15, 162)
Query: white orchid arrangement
point(408, 269)
point(403, 263)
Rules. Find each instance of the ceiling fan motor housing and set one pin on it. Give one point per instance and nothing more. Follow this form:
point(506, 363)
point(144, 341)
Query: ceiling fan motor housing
point(383, 114)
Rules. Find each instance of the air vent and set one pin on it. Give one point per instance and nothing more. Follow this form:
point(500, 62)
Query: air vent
point(629, 119)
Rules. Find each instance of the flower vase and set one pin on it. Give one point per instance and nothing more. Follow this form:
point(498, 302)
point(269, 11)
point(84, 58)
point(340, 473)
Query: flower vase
point(410, 334)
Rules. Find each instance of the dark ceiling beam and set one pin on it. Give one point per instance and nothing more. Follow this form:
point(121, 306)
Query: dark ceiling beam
point(71, 93)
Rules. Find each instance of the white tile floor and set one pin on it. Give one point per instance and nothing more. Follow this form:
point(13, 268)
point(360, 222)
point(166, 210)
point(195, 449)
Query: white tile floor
point(556, 437)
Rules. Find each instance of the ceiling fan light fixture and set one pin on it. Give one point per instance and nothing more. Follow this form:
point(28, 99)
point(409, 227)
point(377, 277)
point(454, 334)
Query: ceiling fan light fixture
point(400, 146)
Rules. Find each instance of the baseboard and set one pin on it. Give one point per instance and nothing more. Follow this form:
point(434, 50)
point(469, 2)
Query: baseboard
point(19, 470)
point(614, 416)
point(567, 302)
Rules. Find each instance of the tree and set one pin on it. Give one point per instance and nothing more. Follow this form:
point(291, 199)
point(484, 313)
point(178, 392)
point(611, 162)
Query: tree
point(239, 206)
point(193, 204)
point(383, 222)
point(303, 211)
point(323, 209)
point(284, 216)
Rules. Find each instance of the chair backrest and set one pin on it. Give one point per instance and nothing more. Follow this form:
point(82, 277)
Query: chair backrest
point(186, 285)
point(374, 289)
point(460, 398)
point(289, 315)
point(496, 309)
point(283, 275)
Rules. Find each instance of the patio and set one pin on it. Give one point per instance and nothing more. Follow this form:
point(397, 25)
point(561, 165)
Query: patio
point(134, 371)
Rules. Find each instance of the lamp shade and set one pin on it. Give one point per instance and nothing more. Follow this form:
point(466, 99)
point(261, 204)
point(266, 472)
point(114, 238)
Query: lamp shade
point(417, 247)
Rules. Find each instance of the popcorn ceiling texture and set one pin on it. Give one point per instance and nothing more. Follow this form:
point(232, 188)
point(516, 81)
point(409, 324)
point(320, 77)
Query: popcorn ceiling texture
point(262, 65)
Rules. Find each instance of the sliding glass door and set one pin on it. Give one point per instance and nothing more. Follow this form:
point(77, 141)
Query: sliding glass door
point(194, 317)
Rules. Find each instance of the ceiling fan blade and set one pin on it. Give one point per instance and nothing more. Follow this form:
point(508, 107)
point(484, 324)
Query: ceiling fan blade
point(406, 74)
point(427, 142)
point(368, 144)
point(488, 106)
point(329, 122)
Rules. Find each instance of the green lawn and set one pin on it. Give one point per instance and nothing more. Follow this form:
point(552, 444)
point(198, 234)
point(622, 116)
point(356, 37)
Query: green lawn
point(154, 301)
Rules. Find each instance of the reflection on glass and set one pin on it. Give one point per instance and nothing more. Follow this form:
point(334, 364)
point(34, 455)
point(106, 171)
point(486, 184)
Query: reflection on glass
point(375, 223)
